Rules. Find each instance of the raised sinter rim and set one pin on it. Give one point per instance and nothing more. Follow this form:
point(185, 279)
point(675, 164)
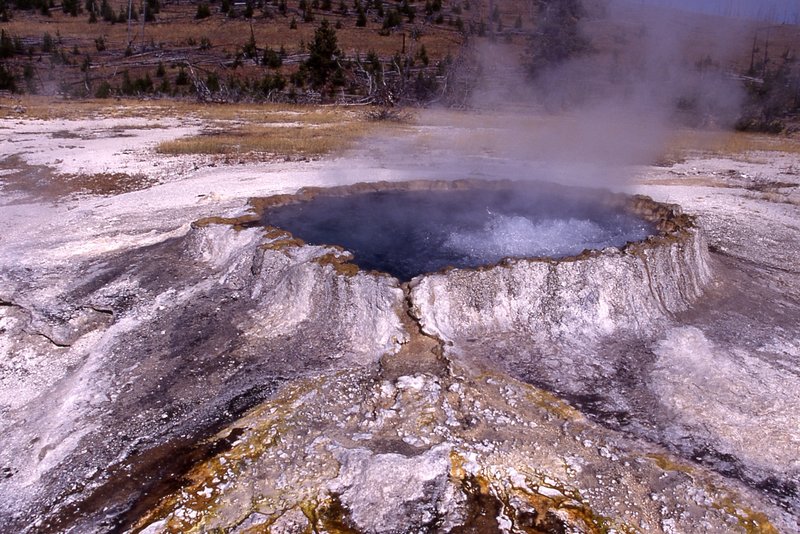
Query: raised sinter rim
point(670, 222)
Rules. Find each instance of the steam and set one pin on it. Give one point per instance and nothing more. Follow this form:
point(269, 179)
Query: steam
point(588, 121)
point(617, 106)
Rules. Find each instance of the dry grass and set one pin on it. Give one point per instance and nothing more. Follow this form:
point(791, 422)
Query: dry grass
point(50, 108)
point(54, 108)
point(739, 142)
point(276, 139)
point(234, 129)
point(788, 197)
point(730, 143)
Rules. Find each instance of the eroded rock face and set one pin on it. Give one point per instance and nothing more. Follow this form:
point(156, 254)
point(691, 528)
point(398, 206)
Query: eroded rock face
point(472, 454)
point(574, 301)
point(700, 381)
point(442, 452)
point(197, 329)
point(359, 421)
point(381, 490)
point(297, 287)
point(580, 299)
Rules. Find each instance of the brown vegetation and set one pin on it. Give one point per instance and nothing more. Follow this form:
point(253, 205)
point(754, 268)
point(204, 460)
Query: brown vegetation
point(220, 57)
point(270, 140)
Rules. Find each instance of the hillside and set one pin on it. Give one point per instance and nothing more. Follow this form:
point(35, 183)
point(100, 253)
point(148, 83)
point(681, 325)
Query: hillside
point(229, 53)
point(374, 51)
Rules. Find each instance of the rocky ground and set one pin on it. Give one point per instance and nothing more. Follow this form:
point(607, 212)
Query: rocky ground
point(163, 376)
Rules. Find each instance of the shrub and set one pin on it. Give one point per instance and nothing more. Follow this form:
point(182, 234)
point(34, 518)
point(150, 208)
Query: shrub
point(323, 54)
point(182, 78)
point(271, 59)
point(47, 43)
point(422, 55)
point(72, 7)
point(249, 49)
point(409, 11)
point(123, 15)
point(203, 11)
point(143, 85)
point(392, 20)
point(7, 80)
point(104, 91)
point(7, 48)
point(384, 114)
point(153, 8)
point(212, 82)
point(107, 12)
point(164, 87)
point(298, 77)
point(273, 83)
point(127, 84)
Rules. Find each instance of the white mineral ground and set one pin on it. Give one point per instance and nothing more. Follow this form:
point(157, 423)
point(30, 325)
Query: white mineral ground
point(127, 337)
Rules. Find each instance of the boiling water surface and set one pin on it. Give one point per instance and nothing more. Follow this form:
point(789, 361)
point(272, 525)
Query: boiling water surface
point(406, 233)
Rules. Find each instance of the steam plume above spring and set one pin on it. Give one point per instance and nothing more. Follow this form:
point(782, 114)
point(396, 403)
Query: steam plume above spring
point(584, 120)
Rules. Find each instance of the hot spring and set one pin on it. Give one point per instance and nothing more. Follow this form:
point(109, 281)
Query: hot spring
point(411, 229)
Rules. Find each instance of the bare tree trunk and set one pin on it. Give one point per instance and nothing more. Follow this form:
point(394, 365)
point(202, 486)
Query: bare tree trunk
point(130, 4)
point(144, 17)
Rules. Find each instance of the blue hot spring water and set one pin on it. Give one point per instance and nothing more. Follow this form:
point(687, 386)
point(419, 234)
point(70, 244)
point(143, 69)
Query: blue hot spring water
point(407, 233)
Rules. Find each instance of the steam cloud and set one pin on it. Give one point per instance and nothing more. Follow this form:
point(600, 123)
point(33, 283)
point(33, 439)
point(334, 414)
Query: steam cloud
point(607, 110)
point(585, 121)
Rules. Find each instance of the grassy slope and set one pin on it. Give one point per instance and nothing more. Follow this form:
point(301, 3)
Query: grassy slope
point(176, 38)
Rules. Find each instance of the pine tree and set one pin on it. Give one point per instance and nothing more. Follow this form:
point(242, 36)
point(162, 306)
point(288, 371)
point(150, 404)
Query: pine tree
point(323, 54)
